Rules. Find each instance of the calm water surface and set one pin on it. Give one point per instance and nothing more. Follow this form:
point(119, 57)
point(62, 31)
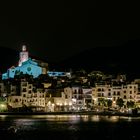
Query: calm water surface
point(69, 127)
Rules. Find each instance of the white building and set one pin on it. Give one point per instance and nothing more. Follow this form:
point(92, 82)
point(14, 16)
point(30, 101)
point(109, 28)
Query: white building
point(126, 92)
point(70, 98)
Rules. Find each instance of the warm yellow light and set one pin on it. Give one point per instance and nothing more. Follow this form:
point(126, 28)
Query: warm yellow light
point(114, 102)
point(74, 100)
point(2, 105)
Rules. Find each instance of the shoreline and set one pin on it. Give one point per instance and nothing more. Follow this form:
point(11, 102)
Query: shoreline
point(72, 113)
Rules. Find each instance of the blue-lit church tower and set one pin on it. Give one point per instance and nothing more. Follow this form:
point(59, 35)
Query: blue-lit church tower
point(26, 66)
point(23, 55)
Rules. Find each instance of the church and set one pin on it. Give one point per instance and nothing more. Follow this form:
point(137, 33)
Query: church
point(26, 65)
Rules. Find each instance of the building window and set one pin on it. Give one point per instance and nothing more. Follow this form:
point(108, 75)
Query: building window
point(114, 93)
point(66, 96)
point(24, 84)
point(124, 91)
point(118, 93)
point(109, 94)
point(80, 97)
point(24, 90)
point(130, 92)
point(99, 89)
point(124, 96)
point(12, 90)
point(99, 94)
point(29, 91)
point(80, 102)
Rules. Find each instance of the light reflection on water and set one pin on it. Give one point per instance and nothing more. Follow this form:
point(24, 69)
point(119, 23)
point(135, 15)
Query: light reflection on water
point(2, 117)
point(72, 118)
point(27, 119)
point(68, 117)
point(30, 126)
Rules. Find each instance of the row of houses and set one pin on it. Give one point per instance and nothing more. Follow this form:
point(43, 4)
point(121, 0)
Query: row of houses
point(68, 98)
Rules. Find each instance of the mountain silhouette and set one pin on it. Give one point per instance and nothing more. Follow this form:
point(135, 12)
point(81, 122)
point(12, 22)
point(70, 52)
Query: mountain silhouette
point(8, 58)
point(116, 59)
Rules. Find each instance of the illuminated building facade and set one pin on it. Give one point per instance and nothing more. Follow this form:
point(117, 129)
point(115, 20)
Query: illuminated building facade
point(126, 92)
point(58, 74)
point(26, 66)
point(32, 67)
point(23, 56)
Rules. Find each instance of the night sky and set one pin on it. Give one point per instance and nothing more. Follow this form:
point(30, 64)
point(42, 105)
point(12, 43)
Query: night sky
point(57, 30)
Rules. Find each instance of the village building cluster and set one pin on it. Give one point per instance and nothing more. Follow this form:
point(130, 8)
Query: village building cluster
point(31, 86)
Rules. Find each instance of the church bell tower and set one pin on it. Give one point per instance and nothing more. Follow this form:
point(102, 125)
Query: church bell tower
point(23, 56)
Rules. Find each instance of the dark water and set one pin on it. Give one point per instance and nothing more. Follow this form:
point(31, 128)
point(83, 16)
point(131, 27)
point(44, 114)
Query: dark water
point(69, 127)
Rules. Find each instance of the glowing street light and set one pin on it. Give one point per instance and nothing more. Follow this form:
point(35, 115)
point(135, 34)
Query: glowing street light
point(3, 106)
point(114, 102)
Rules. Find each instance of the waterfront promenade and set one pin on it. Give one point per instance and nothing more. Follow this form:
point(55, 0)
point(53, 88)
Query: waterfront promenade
point(109, 113)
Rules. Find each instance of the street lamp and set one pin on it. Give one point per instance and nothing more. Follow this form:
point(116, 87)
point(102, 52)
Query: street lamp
point(3, 107)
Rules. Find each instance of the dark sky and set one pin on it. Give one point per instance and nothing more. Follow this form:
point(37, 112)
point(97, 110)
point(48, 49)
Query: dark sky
point(57, 30)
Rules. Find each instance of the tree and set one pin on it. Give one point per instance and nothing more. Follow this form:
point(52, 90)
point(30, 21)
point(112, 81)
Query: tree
point(44, 78)
point(120, 102)
point(130, 104)
point(109, 103)
point(102, 102)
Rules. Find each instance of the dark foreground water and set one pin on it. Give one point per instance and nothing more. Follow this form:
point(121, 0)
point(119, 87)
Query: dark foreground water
point(69, 127)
